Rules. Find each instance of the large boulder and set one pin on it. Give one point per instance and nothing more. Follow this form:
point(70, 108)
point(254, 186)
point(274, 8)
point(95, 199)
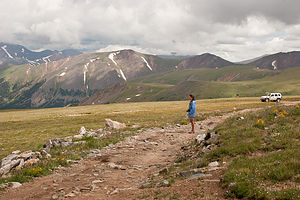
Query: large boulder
point(110, 124)
point(8, 159)
point(6, 168)
point(200, 138)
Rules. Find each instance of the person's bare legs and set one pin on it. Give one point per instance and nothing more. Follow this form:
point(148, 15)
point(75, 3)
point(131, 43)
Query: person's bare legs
point(193, 125)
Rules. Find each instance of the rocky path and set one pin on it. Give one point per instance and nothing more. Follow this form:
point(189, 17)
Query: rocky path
point(117, 172)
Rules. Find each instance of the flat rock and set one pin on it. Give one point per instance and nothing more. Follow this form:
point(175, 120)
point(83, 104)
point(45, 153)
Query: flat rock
point(16, 152)
point(110, 124)
point(213, 164)
point(200, 175)
point(82, 131)
point(200, 138)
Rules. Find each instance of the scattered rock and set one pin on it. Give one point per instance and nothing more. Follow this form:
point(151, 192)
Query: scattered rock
point(110, 124)
point(16, 152)
point(71, 194)
point(10, 165)
point(213, 169)
point(82, 131)
point(10, 185)
point(213, 164)
point(146, 185)
point(97, 181)
point(55, 196)
point(116, 191)
point(114, 166)
point(190, 172)
point(200, 138)
point(85, 189)
point(164, 171)
point(210, 180)
point(8, 159)
point(200, 175)
point(31, 162)
point(240, 118)
point(164, 183)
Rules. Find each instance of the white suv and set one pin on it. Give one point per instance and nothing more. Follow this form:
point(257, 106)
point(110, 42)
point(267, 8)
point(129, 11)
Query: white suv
point(271, 97)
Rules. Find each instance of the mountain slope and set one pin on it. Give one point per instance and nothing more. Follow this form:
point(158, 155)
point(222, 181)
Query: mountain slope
point(278, 61)
point(70, 80)
point(17, 54)
point(203, 61)
point(203, 83)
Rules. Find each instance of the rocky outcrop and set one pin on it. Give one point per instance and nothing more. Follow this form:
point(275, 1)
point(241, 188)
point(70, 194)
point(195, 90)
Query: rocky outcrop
point(110, 124)
point(207, 141)
point(17, 161)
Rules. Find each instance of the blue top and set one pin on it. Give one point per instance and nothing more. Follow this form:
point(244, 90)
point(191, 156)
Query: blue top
point(192, 109)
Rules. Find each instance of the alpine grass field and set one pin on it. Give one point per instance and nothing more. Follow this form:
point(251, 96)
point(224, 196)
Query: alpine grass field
point(262, 150)
point(27, 129)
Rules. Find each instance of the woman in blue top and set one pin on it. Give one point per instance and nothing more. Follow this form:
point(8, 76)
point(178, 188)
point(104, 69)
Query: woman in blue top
point(192, 112)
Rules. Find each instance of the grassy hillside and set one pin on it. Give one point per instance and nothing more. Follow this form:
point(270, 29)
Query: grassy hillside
point(29, 129)
point(264, 153)
point(208, 83)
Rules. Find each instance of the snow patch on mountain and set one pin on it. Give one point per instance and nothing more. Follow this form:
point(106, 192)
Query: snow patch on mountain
point(32, 63)
point(111, 57)
point(146, 63)
point(46, 59)
point(4, 49)
point(122, 74)
point(274, 64)
point(85, 70)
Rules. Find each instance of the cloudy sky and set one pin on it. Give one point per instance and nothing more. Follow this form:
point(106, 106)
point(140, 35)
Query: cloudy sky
point(232, 29)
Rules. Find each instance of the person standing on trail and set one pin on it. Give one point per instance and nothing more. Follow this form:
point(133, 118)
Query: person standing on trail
point(192, 112)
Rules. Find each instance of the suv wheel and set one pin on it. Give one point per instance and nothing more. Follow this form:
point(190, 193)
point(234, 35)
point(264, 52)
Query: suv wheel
point(278, 100)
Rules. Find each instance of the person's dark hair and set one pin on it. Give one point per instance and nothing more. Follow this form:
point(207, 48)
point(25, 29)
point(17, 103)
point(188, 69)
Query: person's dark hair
point(193, 97)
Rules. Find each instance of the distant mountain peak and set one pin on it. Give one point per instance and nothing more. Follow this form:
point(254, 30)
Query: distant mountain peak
point(206, 60)
point(18, 54)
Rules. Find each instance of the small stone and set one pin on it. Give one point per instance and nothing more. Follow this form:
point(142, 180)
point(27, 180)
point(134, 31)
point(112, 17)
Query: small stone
point(213, 169)
point(213, 164)
point(200, 138)
point(114, 166)
point(164, 183)
point(200, 175)
point(97, 181)
point(110, 124)
point(14, 184)
point(16, 152)
point(146, 185)
point(115, 191)
point(55, 196)
point(82, 131)
point(71, 194)
point(78, 136)
point(48, 156)
point(84, 189)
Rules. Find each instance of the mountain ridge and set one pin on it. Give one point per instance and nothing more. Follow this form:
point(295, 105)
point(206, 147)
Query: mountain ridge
point(93, 77)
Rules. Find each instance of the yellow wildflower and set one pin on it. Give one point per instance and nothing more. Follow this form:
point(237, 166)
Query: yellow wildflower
point(297, 106)
point(260, 121)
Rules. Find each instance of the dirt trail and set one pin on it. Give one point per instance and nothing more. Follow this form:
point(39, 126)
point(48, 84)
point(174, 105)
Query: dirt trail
point(117, 172)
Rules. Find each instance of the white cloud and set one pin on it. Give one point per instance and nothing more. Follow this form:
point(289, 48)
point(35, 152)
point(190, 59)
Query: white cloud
point(233, 29)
